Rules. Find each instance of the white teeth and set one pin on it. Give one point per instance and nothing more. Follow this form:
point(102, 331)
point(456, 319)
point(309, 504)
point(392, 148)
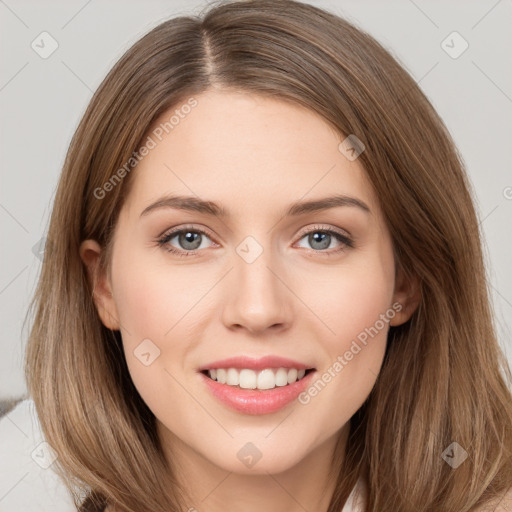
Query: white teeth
point(221, 376)
point(247, 379)
point(281, 377)
point(268, 378)
point(292, 375)
point(232, 377)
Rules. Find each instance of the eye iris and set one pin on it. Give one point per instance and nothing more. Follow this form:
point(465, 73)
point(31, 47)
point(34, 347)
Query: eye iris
point(187, 237)
point(323, 238)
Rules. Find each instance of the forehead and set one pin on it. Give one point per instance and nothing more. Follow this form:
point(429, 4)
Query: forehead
point(237, 148)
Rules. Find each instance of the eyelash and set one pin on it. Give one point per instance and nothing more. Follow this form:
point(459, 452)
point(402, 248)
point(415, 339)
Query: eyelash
point(163, 241)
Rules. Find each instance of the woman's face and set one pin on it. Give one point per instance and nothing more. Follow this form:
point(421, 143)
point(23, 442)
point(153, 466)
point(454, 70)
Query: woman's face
point(256, 282)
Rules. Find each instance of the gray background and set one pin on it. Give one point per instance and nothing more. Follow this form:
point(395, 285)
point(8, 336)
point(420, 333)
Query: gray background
point(42, 100)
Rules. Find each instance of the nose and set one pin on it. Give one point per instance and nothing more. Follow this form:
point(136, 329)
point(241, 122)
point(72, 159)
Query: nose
point(257, 295)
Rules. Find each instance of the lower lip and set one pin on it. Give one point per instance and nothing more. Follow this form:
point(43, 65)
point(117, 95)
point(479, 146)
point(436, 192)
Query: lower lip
point(256, 401)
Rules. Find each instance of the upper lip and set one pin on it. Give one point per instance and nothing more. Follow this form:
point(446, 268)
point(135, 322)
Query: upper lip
point(241, 362)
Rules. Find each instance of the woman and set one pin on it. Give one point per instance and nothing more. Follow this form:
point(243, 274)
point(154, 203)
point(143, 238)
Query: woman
point(326, 341)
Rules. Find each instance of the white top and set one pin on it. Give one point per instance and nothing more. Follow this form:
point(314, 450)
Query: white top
point(357, 498)
point(27, 480)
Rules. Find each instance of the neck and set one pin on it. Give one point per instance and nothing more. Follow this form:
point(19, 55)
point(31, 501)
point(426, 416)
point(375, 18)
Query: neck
point(304, 486)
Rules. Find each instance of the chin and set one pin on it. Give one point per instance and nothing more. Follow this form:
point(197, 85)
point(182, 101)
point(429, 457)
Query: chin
point(261, 467)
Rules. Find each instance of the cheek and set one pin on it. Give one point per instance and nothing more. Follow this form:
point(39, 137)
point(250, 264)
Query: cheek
point(151, 296)
point(355, 308)
point(148, 310)
point(157, 306)
point(351, 301)
point(141, 304)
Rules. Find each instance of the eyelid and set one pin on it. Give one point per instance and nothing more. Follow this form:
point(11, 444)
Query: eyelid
point(303, 232)
point(192, 227)
point(345, 238)
point(320, 227)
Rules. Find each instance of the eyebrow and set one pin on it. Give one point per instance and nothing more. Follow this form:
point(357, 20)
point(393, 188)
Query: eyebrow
point(191, 203)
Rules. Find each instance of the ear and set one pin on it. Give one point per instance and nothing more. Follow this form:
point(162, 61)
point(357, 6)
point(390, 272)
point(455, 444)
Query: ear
point(90, 252)
point(408, 294)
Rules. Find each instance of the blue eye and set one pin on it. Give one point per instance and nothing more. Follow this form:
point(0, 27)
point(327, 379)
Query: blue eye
point(191, 239)
point(322, 238)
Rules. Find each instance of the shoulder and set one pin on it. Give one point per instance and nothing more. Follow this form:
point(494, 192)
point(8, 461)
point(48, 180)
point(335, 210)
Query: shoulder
point(357, 499)
point(26, 464)
point(503, 504)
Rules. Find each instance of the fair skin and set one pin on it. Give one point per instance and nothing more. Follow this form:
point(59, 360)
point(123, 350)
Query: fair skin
point(254, 156)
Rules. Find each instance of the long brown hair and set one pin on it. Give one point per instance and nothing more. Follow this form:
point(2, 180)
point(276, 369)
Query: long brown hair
point(444, 378)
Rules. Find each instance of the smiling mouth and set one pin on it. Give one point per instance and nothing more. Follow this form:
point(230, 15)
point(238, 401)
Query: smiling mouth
point(245, 378)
